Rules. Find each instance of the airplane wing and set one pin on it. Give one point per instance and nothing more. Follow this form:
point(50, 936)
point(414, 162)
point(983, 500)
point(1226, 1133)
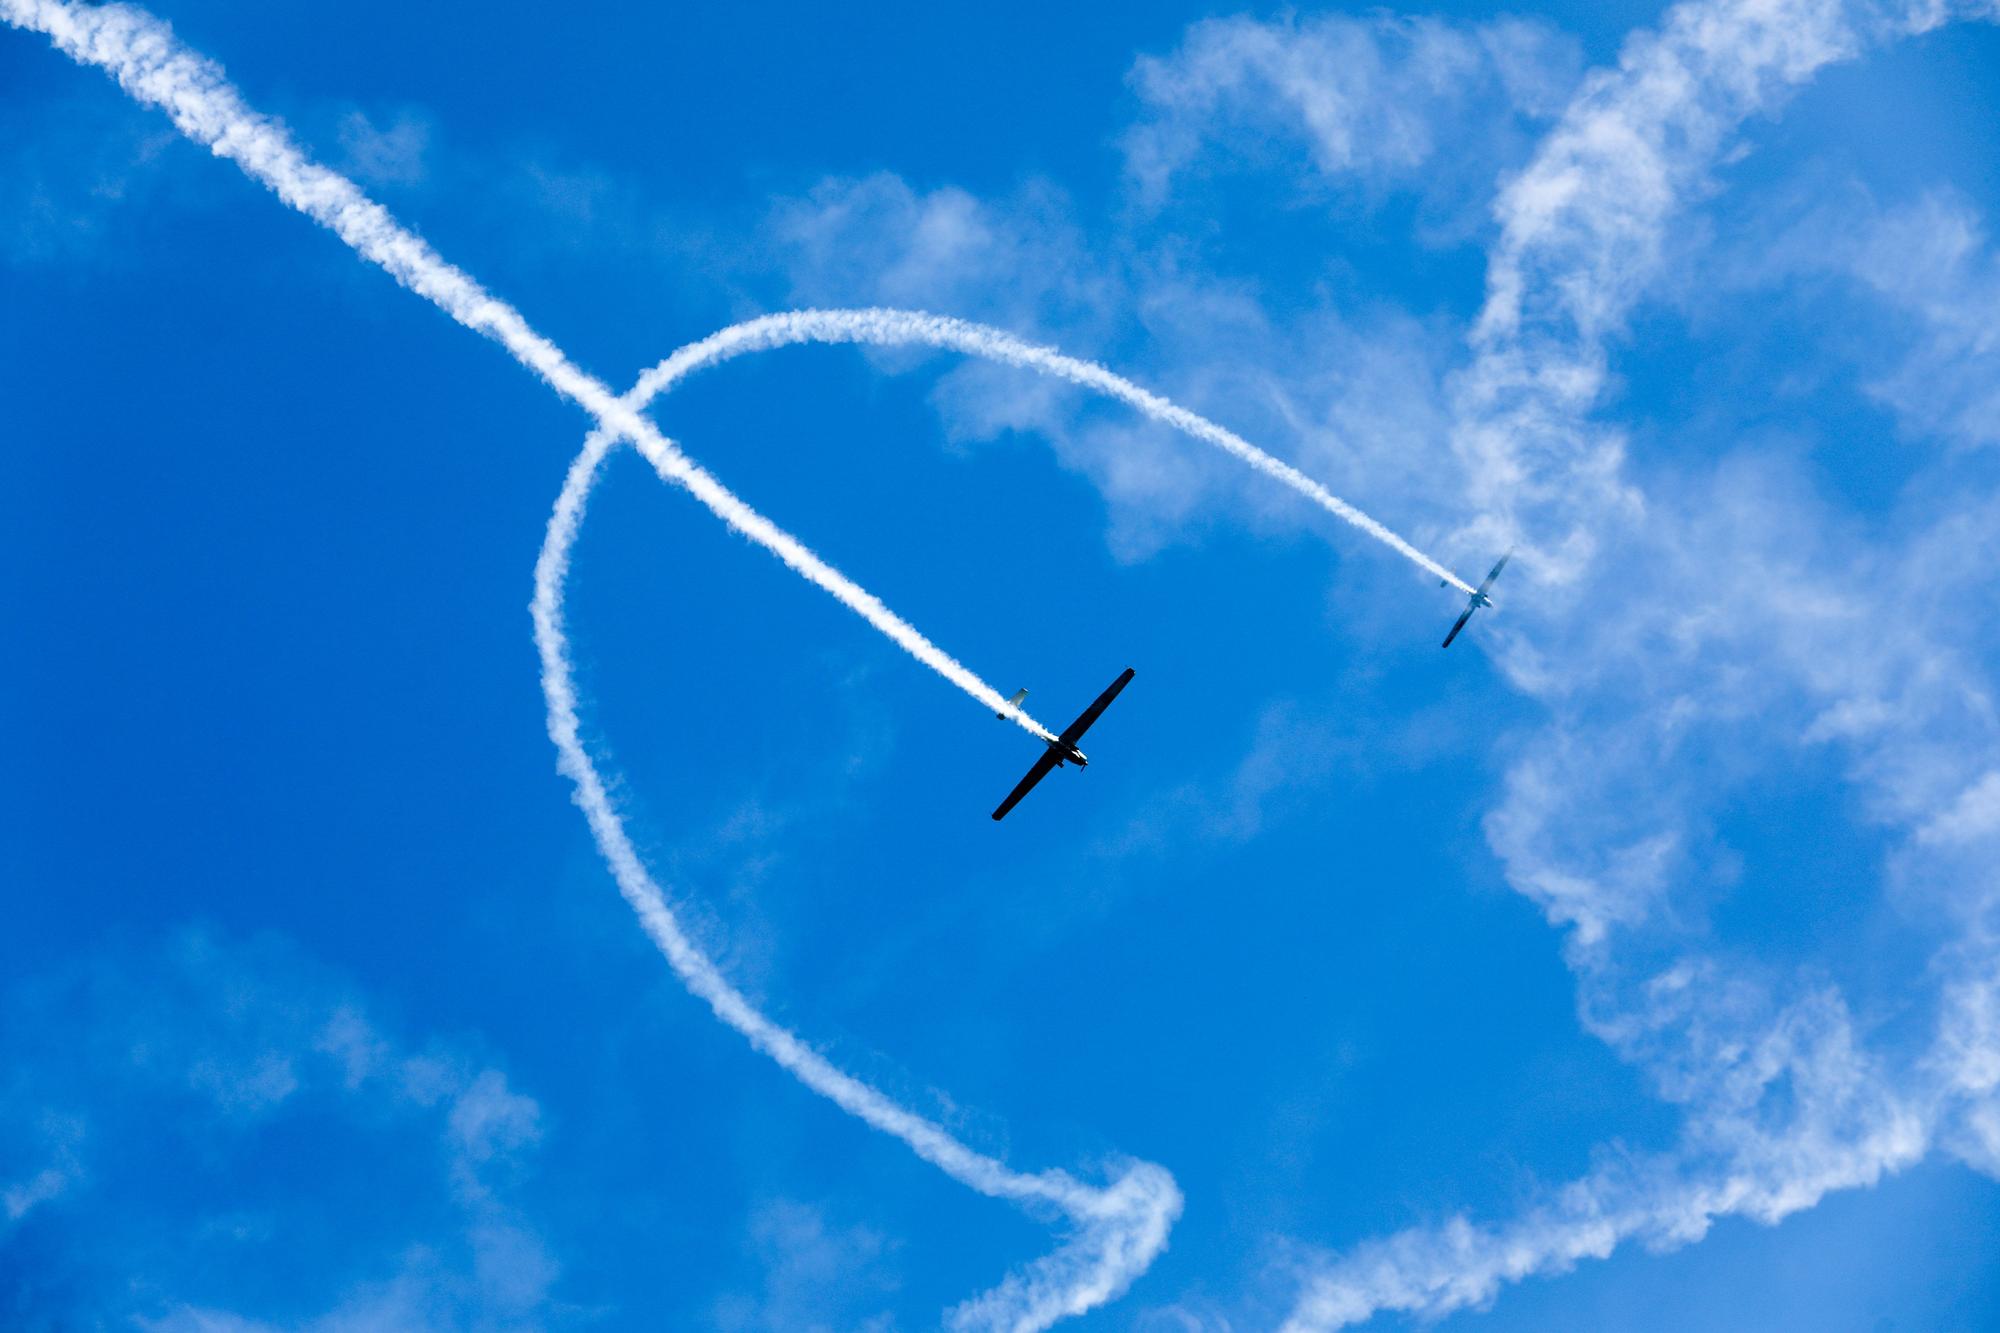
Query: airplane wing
point(1463, 617)
point(1027, 784)
point(1090, 714)
point(1496, 571)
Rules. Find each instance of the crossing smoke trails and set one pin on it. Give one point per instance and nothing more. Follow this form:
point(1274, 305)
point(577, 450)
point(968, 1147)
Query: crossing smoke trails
point(1120, 1228)
point(1115, 1231)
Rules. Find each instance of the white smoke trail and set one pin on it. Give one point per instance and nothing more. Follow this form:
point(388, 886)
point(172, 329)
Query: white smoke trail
point(902, 328)
point(142, 54)
point(1119, 1229)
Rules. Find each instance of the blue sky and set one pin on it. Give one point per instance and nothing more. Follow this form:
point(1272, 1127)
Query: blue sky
point(1652, 920)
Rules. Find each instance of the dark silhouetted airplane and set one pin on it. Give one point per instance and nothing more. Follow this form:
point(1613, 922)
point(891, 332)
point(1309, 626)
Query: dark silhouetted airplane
point(1477, 600)
point(1062, 750)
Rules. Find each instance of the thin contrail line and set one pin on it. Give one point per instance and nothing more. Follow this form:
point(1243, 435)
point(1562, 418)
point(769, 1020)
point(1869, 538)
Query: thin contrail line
point(882, 327)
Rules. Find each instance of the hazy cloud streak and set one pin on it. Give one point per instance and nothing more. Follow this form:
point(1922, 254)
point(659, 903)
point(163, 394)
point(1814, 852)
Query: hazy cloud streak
point(1784, 1100)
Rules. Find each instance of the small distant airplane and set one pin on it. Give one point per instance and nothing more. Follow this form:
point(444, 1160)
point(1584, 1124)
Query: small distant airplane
point(1062, 750)
point(1477, 600)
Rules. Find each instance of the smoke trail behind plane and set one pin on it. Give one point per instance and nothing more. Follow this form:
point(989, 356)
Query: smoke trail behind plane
point(883, 327)
point(142, 54)
point(1119, 1228)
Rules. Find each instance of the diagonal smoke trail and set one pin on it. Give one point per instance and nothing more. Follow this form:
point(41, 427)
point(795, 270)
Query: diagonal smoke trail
point(143, 55)
point(880, 327)
point(1118, 1229)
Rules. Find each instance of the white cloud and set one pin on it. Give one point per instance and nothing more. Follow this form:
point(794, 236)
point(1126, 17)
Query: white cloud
point(191, 1320)
point(1378, 100)
point(256, 1034)
point(814, 1275)
point(1354, 400)
point(356, 1046)
point(72, 172)
point(57, 1141)
point(1901, 297)
point(46, 1184)
point(392, 154)
point(877, 240)
point(1974, 816)
point(1930, 262)
point(1179, 1318)
point(488, 1120)
point(1693, 640)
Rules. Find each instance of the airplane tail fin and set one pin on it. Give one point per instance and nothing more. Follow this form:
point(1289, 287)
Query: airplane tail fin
point(1014, 702)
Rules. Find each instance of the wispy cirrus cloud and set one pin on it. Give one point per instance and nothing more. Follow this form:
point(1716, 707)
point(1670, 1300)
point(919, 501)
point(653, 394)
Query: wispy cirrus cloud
point(1703, 625)
point(815, 1275)
point(392, 153)
point(203, 1048)
point(1355, 398)
point(71, 175)
point(1929, 266)
point(1377, 102)
point(1693, 642)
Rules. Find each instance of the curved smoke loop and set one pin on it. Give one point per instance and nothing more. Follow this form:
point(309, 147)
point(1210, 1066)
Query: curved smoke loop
point(1120, 1228)
point(1117, 1229)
